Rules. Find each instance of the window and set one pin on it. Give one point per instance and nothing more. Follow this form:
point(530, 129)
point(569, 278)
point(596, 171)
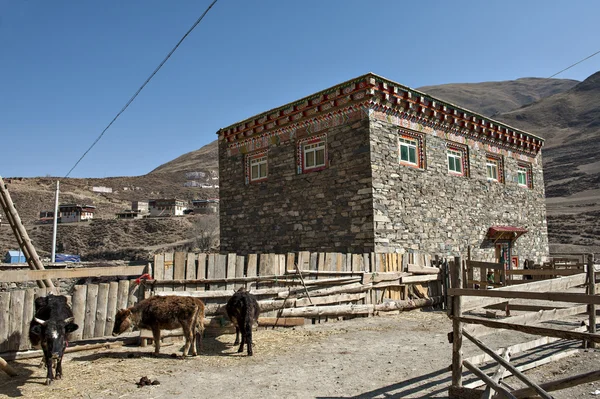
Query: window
point(524, 175)
point(411, 149)
point(312, 154)
point(408, 150)
point(494, 168)
point(256, 167)
point(458, 160)
point(455, 161)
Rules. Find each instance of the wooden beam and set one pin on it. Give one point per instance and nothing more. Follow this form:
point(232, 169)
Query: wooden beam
point(6, 368)
point(557, 284)
point(485, 265)
point(591, 290)
point(420, 279)
point(544, 331)
point(491, 383)
point(415, 269)
point(523, 308)
point(409, 304)
point(508, 366)
point(537, 317)
point(457, 326)
point(546, 296)
point(529, 366)
point(329, 311)
point(30, 275)
point(543, 272)
point(562, 383)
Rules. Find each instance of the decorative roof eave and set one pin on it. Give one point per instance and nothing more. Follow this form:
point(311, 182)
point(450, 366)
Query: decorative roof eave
point(392, 96)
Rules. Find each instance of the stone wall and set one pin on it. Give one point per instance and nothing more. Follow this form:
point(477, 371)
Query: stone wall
point(328, 210)
point(432, 212)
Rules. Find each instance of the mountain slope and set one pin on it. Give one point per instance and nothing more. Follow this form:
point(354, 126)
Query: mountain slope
point(491, 98)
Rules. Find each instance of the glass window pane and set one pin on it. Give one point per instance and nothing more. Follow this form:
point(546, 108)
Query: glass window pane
point(320, 157)
point(404, 153)
point(309, 159)
point(413, 155)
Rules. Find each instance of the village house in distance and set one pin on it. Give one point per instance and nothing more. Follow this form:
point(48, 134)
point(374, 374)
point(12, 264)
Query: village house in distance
point(370, 165)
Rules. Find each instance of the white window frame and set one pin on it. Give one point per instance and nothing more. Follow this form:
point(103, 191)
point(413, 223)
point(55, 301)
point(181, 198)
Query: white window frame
point(260, 164)
point(313, 149)
point(522, 171)
point(457, 156)
point(492, 165)
point(410, 144)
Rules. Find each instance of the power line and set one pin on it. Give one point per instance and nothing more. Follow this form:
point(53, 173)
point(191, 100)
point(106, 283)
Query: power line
point(578, 62)
point(142, 87)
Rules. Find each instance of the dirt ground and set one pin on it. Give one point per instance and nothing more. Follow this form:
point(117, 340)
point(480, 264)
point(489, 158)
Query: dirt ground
point(399, 356)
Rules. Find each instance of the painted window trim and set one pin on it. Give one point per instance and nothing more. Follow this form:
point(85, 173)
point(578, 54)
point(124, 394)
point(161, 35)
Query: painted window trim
point(528, 174)
point(253, 156)
point(420, 148)
point(300, 154)
point(464, 158)
point(499, 160)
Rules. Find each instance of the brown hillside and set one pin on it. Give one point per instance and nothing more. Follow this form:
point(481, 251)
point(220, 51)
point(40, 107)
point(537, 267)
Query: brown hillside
point(491, 98)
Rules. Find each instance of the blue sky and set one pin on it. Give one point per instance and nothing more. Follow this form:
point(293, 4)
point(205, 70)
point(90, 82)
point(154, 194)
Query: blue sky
point(68, 67)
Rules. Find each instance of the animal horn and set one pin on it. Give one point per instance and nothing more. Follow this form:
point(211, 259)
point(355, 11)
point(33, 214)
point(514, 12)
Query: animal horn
point(69, 320)
point(42, 322)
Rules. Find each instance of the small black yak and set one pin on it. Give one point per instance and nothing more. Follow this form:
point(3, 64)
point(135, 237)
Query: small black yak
point(165, 313)
point(52, 321)
point(242, 309)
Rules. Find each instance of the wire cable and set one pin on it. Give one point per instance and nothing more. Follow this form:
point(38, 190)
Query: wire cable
point(142, 87)
point(578, 62)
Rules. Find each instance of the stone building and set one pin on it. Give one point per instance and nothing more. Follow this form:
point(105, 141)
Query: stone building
point(371, 165)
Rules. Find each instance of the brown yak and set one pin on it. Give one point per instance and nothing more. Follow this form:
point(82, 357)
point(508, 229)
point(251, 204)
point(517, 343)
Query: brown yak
point(165, 313)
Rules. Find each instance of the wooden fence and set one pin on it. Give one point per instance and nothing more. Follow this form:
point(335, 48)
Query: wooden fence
point(94, 305)
point(290, 288)
point(471, 327)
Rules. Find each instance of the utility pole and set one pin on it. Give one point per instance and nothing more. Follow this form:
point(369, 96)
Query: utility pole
point(54, 224)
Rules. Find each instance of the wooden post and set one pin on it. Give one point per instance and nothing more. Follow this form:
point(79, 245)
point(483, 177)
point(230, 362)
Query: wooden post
point(6, 368)
point(457, 324)
point(21, 234)
point(591, 291)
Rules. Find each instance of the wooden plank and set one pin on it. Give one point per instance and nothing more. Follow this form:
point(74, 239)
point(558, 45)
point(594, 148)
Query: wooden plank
point(491, 383)
point(211, 270)
point(111, 307)
point(101, 309)
point(132, 296)
point(326, 300)
point(159, 269)
point(329, 311)
point(557, 284)
point(523, 308)
point(357, 263)
point(521, 347)
point(562, 383)
point(252, 269)
point(17, 299)
point(282, 262)
point(169, 269)
point(530, 365)
point(263, 260)
point(544, 331)
point(179, 263)
point(190, 270)
point(420, 279)
point(230, 270)
point(280, 321)
point(31, 275)
point(91, 302)
point(329, 262)
point(537, 317)
point(484, 265)
point(508, 366)
point(79, 305)
point(122, 294)
point(422, 269)
point(542, 272)
point(4, 321)
point(220, 271)
point(28, 309)
point(201, 271)
point(304, 260)
point(240, 263)
point(571, 297)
